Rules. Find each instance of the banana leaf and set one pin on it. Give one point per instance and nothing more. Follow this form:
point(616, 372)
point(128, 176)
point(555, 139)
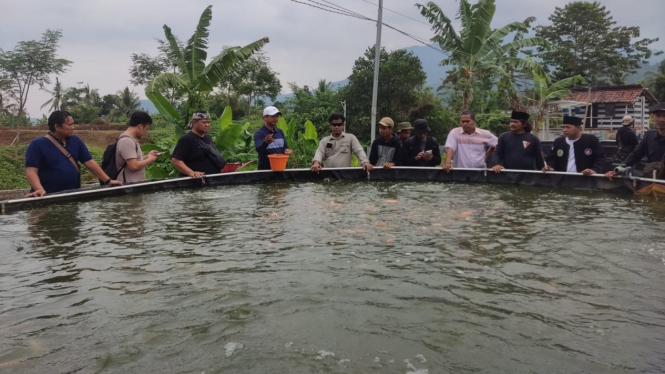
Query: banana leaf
point(226, 119)
point(310, 132)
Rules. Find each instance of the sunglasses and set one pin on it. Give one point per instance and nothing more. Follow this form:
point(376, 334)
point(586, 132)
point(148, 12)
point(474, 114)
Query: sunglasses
point(337, 124)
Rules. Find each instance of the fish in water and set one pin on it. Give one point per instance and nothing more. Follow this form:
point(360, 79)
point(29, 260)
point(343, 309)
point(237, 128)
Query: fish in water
point(466, 213)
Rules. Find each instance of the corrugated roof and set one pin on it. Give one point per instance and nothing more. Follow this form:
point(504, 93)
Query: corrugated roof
point(613, 94)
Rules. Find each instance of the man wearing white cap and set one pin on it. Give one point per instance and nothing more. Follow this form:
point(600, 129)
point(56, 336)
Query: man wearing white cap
point(269, 139)
point(626, 139)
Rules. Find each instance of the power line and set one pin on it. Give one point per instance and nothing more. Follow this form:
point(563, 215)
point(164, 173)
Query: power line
point(398, 13)
point(339, 9)
point(328, 10)
point(349, 13)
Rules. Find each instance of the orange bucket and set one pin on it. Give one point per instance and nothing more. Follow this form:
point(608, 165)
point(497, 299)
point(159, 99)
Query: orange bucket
point(278, 162)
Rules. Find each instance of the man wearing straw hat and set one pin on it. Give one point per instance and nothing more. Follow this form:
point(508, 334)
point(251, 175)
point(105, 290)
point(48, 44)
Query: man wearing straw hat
point(575, 152)
point(518, 149)
point(195, 154)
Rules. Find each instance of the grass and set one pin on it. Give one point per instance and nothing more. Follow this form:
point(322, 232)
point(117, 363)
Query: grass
point(12, 170)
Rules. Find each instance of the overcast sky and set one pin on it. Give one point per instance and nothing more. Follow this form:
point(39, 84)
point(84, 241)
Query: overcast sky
point(306, 44)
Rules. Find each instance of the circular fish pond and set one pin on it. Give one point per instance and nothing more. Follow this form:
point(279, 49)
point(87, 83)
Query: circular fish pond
point(336, 277)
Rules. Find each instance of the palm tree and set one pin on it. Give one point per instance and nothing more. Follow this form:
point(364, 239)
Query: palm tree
point(196, 79)
point(324, 86)
point(56, 96)
point(477, 51)
point(128, 102)
point(545, 91)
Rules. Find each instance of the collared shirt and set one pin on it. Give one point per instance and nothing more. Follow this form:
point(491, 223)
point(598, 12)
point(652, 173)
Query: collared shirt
point(652, 146)
point(572, 166)
point(470, 149)
point(336, 153)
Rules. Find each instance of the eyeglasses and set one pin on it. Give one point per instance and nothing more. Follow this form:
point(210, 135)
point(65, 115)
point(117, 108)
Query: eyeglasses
point(334, 124)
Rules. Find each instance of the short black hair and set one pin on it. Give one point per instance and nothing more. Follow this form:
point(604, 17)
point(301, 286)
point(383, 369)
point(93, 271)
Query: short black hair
point(336, 116)
point(469, 113)
point(139, 118)
point(59, 117)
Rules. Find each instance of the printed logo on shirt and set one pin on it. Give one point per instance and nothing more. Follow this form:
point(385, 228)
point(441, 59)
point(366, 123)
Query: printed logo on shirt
point(526, 144)
point(588, 152)
point(559, 153)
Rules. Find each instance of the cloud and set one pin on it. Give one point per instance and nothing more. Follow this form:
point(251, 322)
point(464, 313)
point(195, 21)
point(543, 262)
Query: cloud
point(307, 44)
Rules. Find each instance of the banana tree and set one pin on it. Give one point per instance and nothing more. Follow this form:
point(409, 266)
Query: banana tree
point(477, 51)
point(196, 79)
point(545, 91)
point(234, 141)
point(303, 146)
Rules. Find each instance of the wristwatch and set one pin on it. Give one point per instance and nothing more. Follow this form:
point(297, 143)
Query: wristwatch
point(107, 182)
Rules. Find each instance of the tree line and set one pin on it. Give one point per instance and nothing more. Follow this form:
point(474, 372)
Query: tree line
point(489, 70)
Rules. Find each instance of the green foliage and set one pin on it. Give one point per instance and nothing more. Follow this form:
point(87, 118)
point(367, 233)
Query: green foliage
point(312, 105)
point(30, 63)
point(401, 77)
point(12, 170)
point(234, 141)
point(497, 123)
point(86, 175)
point(477, 50)
point(84, 113)
point(11, 119)
point(195, 79)
point(655, 82)
point(303, 146)
point(588, 43)
point(254, 79)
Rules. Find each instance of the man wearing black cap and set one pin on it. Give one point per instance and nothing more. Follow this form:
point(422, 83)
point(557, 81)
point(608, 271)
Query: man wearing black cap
point(386, 150)
point(575, 152)
point(421, 149)
point(518, 149)
point(653, 144)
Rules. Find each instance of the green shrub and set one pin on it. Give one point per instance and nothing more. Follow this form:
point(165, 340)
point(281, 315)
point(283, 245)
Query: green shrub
point(497, 122)
point(12, 170)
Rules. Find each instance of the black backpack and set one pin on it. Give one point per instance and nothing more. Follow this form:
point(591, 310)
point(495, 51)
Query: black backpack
point(108, 161)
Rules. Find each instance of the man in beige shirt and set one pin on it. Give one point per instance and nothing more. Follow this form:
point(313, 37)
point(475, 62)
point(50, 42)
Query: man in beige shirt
point(129, 160)
point(335, 150)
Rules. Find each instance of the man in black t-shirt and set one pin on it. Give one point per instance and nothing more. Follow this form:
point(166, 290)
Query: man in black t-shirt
point(195, 155)
point(626, 139)
point(518, 149)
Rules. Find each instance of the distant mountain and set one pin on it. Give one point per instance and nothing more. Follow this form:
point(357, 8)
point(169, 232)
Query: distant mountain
point(149, 107)
point(641, 72)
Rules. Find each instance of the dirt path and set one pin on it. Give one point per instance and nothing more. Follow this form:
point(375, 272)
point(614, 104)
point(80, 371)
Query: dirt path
point(92, 138)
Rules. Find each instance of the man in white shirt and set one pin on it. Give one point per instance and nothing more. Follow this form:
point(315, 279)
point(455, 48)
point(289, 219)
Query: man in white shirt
point(575, 152)
point(468, 145)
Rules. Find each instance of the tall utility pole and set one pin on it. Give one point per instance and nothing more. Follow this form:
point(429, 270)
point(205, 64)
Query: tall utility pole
point(377, 58)
point(344, 106)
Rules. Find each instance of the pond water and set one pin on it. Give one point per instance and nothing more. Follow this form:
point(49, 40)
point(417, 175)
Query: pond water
point(336, 277)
